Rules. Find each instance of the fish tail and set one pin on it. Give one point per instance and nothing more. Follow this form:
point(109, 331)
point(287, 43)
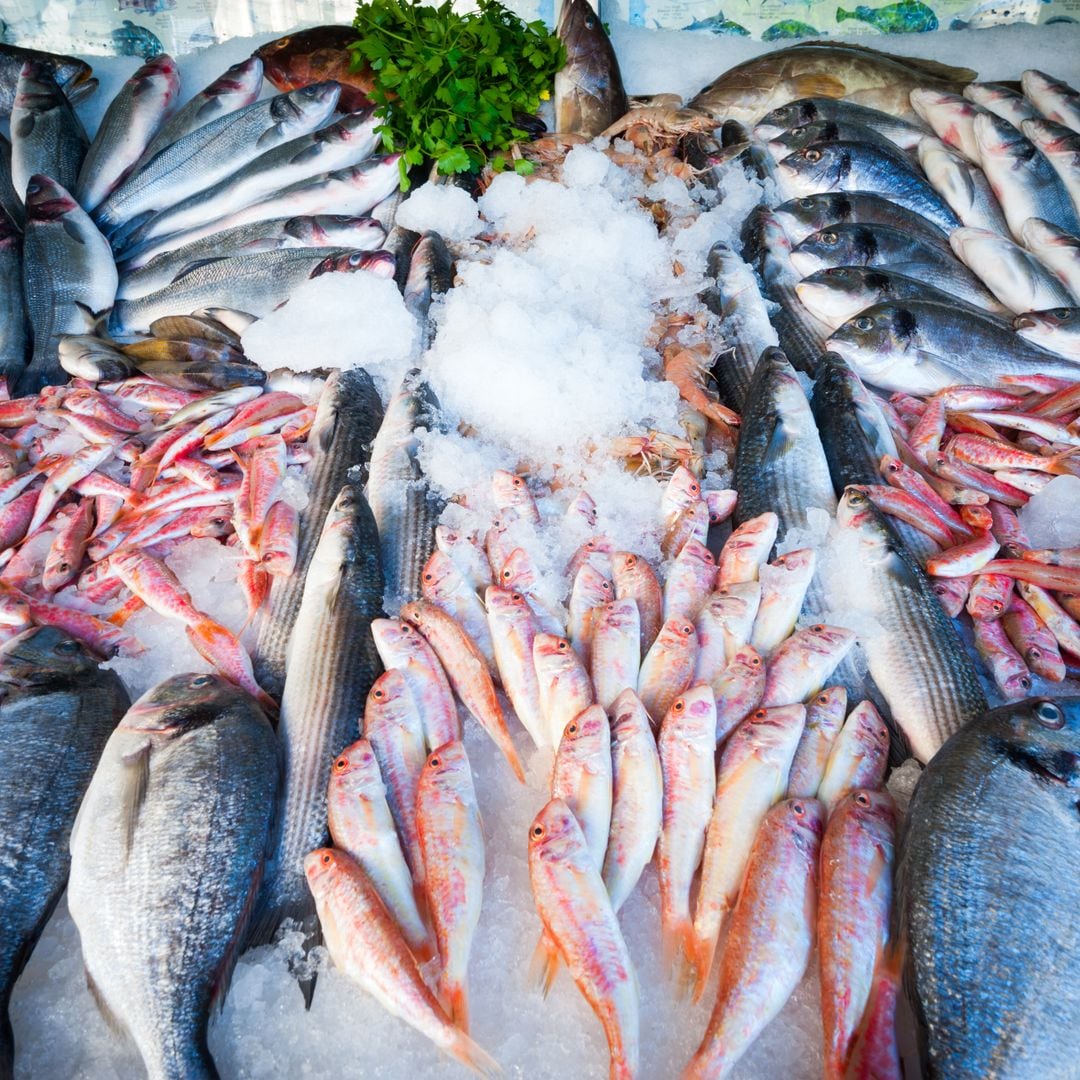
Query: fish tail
point(511, 754)
point(1057, 459)
point(457, 1003)
point(544, 965)
point(842, 15)
point(704, 949)
point(122, 614)
point(424, 950)
point(678, 951)
point(473, 1056)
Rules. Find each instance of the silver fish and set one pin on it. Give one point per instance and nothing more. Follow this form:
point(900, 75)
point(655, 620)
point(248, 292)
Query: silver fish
point(1061, 146)
point(1055, 99)
point(809, 214)
point(962, 185)
point(14, 331)
point(807, 111)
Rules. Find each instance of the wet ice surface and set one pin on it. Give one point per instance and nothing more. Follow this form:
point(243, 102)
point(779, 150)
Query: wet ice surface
point(1051, 517)
point(447, 209)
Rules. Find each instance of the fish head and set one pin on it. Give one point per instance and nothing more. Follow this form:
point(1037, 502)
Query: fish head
point(836, 294)
point(827, 640)
point(46, 200)
point(683, 488)
point(625, 567)
point(14, 607)
point(587, 45)
point(1043, 327)
point(827, 708)
point(555, 835)
point(875, 339)
point(694, 714)
point(507, 604)
point(440, 578)
point(811, 213)
point(835, 246)
point(813, 169)
point(617, 615)
point(379, 263)
point(677, 635)
point(319, 52)
point(997, 137)
point(1050, 137)
point(37, 88)
point(1041, 735)
point(389, 697)
point(785, 117)
point(869, 728)
point(800, 563)
point(44, 655)
point(321, 866)
point(182, 703)
point(747, 661)
point(591, 588)
point(628, 717)
point(519, 571)
point(553, 653)
point(509, 489)
point(585, 733)
point(694, 551)
point(293, 113)
point(804, 821)
point(801, 136)
point(356, 767)
point(447, 769)
point(332, 230)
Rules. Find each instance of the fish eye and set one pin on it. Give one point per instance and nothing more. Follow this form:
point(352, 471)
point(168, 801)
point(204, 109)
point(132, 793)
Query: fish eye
point(507, 573)
point(798, 809)
point(629, 561)
point(811, 155)
point(429, 576)
point(759, 714)
point(202, 680)
point(378, 694)
point(571, 728)
point(817, 628)
point(1025, 682)
point(829, 239)
point(756, 661)
point(327, 858)
point(1050, 715)
point(606, 586)
point(563, 645)
point(822, 699)
point(518, 482)
point(341, 764)
point(538, 831)
point(862, 799)
point(807, 204)
point(67, 646)
point(796, 131)
point(687, 629)
point(356, 258)
point(1061, 314)
point(864, 322)
point(434, 762)
point(694, 487)
point(679, 706)
point(590, 22)
point(516, 597)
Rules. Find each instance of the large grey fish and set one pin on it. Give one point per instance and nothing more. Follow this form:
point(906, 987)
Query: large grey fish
point(811, 213)
point(46, 135)
point(589, 94)
point(995, 983)
point(1055, 99)
point(1023, 180)
point(355, 190)
point(127, 127)
point(430, 274)
point(346, 422)
point(323, 231)
point(963, 185)
point(839, 293)
point(406, 508)
point(915, 654)
point(1061, 146)
point(214, 151)
point(10, 202)
point(14, 330)
point(780, 464)
point(253, 283)
point(57, 711)
point(920, 347)
point(881, 245)
point(854, 432)
point(808, 111)
point(341, 144)
point(69, 276)
point(165, 858)
point(828, 131)
point(331, 664)
point(73, 75)
point(735, 298)
point(234, 89)
point(858, 167)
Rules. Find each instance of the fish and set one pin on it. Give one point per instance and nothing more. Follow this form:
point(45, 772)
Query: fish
point(858, 758)
point(637, 797)
point(904, 17)
point(1001, 101)
point(780, 465)
point(69, 277)
point(406, 507)
point(787, 29)
point(1057, 250)
point(750, 90)
point(824, 719)
point(784, 583)
point(862, 167)
point(752, 775)
point(237, 87)
point(952, 119)
point(802, 217)
point(718, 24)
point(770, 938)
point(362, 826)
point(589, 94)
point(580, 929)
point(963, 186)
point(331, 665)
point(166, 856)
point(204, 156)
point(917, 660)
point(668, 667)
point(14, 331)
point(513, 632)
point(58, 710)
point(853, 916)
point(72, 75)
point(368, 948)
point(802, 664)
point(316, 54)
point(827, 131)
point(129, 123)
point(1006, 783)
point(635, 579)
point(920, 347)
point(724, 626)
point(806, 111)
point(11, 201)
point(615, 655)
point(452, 843)
point(47, 138)
point(258, 283)
point(565, 687)
point(1057, 330)
point(1061, 147)
point(582, 777)
point(1056, 100)
point(430, 275)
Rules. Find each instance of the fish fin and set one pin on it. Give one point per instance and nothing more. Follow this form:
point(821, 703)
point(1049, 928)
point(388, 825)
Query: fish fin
point(112, 1021)
point(704, 950)
point(1056, 460)
point(135, 780)
point(780, 441)
point(938, 69)
point(96, 321)
point(196, 264)
point(78, 94)
point(122, 614)
point(223, 978)
point(544, 965)
point(457, 1004)
point(72, 230)
point(818, 86)
point(309, 153)
point(266, 925)
point(473, 1056)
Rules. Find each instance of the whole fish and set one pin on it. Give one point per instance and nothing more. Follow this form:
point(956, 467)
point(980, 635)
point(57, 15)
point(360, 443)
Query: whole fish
point(824, 719)
point(165, 858)
point(14, 331)
point(919, 347)
point(853, 915)
point(993, 815)
point(565, 687)
point(667, 669)
point(1055, 99)
point(331, 666)
point(589, 93)
point(637, 797)
point(784, 583)
point(339, 145)
point(861, 167)
point(452, 843)
point(206, 155)
point(315, 54)
point(581, 930)
point(405, 506)
point(800, 218)
point(780, 465)
point(807, 111)
point(582, 777)
point(72, 74)
point(430, 275)
point(68, 275)
point(255, 283)
point(916, 659)
point(1001, 101)
point(58, 710)
point(748, 91)
point(513, 633)
point(47, 137)
point(127, 127)
point(858, 758)
point(616, 650)
point(635, 579)
point(367, 946)
point(444, 585)
point(770, 938)
point(962, 185)
point(724, 626)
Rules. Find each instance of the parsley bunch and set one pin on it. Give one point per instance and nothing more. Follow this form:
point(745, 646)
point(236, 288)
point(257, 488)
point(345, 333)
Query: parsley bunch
point(447, 85)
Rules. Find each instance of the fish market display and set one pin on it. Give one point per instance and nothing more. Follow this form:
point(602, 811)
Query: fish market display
point(546, 568)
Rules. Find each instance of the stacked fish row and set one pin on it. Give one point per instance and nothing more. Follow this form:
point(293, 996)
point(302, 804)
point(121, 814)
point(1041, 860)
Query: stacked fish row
point(231, 200)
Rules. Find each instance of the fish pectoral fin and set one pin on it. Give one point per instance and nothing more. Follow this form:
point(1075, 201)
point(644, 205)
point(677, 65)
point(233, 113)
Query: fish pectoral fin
point(72, 230)
point(112, 1021)
point(781, 441)
point(196, 264)
point(135, 780)
point(818, 86)
point(309, 153)
point(544, 965)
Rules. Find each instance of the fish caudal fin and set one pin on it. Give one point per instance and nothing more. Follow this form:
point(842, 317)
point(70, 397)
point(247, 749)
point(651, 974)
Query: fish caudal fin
point(679, 950)
point(704, 952)
point(544, 965)
point(473, 1056)
point(457, 1003)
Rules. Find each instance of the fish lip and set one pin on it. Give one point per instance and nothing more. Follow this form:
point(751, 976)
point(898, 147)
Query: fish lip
point(1024, 322)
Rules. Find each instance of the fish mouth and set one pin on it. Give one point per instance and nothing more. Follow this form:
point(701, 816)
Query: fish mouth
point(805, 263)
point(1024, 322)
